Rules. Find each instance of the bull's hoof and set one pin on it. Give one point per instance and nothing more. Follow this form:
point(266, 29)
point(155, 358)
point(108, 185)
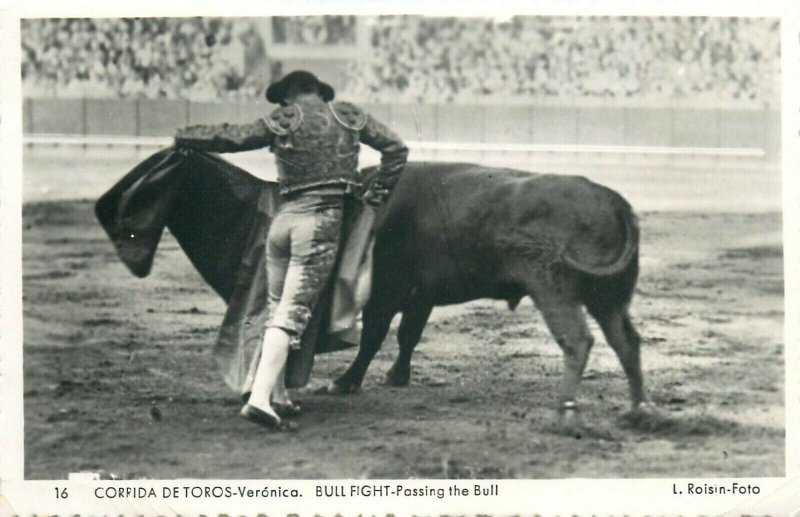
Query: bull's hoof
point(285, 410)
point(339, 388)
point(398, 376)
point(647, 409)
point(646, 417)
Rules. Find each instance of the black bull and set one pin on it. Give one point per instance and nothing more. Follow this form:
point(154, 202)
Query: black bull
point(451, 233)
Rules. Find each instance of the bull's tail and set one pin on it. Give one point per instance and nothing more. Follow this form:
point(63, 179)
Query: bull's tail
point(629, 250)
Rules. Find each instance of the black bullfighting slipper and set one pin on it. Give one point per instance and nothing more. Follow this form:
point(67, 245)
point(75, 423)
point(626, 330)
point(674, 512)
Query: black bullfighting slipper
point(286, 410)
point(264, 419)
point(283, 410)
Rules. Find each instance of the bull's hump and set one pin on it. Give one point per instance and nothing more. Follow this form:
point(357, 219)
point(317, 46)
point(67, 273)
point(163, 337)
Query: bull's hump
point(492, 181)
point(463, 171)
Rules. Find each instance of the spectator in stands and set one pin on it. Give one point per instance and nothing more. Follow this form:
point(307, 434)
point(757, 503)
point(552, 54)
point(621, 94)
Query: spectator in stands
point(569, 58)
point(147, 57)
point(413, 58)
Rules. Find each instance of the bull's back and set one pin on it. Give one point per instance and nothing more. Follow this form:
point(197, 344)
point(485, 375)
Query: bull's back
point(461, 230)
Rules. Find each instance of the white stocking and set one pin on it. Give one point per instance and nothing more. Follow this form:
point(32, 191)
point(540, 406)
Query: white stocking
point(279, 393)
point(274, 352)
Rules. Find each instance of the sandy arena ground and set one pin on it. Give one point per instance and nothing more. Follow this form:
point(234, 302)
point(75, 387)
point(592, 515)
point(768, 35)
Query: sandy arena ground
point(119, 374)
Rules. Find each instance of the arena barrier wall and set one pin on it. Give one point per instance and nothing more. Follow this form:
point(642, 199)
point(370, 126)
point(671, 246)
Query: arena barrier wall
point(752, 131)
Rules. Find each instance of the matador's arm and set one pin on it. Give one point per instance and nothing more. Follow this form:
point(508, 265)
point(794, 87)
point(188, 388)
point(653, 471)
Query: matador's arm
point(225, 138)
point(394, 152)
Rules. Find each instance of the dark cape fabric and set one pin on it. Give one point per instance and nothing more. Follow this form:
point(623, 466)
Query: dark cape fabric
point(220, 214)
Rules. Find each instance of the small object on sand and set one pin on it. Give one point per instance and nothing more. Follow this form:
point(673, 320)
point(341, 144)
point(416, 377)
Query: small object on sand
point(155, 413)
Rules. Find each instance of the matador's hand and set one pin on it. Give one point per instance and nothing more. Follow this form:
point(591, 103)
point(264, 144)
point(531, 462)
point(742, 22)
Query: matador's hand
point(376, 195)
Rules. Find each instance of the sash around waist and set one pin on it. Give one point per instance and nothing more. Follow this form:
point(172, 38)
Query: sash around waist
point(313, 200)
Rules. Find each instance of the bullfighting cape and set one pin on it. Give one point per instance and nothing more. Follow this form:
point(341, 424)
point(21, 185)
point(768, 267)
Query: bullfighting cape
point(220, 214)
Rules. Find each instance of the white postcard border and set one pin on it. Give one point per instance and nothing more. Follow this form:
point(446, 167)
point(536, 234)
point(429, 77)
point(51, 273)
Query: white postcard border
point(544, 497)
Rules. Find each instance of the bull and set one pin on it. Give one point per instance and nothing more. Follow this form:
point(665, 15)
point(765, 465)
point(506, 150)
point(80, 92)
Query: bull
point(452, 232)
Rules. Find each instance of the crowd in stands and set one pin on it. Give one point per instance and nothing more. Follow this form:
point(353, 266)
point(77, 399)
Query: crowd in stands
point(411, 58)
point(459, 59)
point(314, 30)
point(194, 58)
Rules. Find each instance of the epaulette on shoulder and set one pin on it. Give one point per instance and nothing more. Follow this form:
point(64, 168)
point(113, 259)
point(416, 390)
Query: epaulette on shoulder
point(284, 120)
point(349, 115)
